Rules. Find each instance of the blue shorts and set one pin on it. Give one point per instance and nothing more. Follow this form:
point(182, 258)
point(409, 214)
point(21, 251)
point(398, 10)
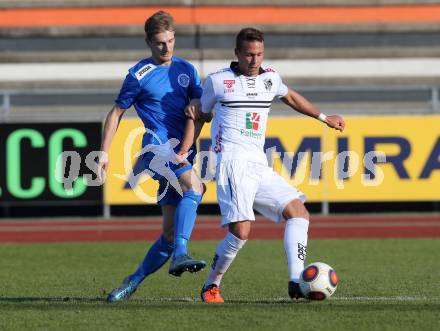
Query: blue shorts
point(166, 193)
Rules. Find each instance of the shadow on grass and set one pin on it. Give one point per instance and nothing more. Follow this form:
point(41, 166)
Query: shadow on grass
point(148, 301)
point(49, 300)
point(90, 301)
point(67, 303)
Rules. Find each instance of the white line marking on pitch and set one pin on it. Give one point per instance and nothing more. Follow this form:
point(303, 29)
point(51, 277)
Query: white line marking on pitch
point(397, 298)
point(275, 300)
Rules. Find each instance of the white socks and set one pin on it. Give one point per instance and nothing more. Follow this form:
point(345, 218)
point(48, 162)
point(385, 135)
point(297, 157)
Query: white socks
point(295, 244)
point(223, 257)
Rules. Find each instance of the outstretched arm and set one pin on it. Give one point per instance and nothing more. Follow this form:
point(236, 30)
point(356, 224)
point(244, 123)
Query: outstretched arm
point(297, 102)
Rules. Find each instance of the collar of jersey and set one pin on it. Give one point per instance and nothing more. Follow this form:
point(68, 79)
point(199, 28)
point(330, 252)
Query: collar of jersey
point(150, 59)
point(236, 70)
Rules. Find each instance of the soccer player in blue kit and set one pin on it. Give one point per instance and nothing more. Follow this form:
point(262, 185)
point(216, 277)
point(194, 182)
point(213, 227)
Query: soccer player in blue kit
point(160, 88)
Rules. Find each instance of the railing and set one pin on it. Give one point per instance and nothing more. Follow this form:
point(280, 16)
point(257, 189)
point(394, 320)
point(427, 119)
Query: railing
point(32, 98)
point(425, 97)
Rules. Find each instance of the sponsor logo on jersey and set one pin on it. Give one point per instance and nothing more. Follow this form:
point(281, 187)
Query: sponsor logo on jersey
point(183, 80)
point(251, 134)
point(252, 121)
point(218, 140)
point(250, 81)
point(144, 70)
point(268, 84)
point(269, 70)
point(252, 95)
point(252, 125)
point(229, 83)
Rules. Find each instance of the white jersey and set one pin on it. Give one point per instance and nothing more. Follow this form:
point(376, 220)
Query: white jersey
point(241, 107)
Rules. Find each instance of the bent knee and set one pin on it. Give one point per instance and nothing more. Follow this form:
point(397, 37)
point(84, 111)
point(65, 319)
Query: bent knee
point(242, 235)
point(240, 229)
point(296, 209)
point(190, 182)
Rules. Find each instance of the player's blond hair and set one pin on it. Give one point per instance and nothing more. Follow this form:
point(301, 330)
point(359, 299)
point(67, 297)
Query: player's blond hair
point(160, 21)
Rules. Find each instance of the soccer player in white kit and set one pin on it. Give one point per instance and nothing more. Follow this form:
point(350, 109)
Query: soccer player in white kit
point(239, 97)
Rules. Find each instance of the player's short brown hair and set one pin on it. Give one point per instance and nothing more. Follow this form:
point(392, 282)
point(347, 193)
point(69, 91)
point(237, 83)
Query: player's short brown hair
point(248, 34)
point(160, 21)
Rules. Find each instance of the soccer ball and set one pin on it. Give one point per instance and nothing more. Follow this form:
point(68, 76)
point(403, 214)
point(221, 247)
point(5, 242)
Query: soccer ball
point(318, 281)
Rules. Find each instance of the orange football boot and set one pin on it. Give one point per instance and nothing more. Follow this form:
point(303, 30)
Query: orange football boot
point(211, 294)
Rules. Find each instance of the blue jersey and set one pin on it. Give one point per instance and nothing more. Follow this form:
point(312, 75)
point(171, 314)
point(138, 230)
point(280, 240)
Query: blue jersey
point(160, 94)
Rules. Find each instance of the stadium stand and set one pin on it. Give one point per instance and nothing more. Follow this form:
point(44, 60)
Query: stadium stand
point(65, 59)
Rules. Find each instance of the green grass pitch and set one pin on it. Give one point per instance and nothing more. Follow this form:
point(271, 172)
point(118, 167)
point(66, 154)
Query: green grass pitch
point(384, 285)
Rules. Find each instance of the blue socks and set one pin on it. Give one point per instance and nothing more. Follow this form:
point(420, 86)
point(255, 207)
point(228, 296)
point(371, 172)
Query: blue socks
point(157, 255)
point(161, 250)
point(184, 220)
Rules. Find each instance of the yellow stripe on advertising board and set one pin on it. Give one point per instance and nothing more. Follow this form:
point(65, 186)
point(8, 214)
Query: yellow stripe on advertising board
point(122, 158)
point(411, 172)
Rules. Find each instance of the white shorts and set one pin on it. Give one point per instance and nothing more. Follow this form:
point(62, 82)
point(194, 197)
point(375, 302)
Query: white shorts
point(243, 186)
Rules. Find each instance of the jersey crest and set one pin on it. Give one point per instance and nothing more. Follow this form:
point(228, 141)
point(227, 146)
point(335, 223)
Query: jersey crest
point(268, 84)
point(183, 80)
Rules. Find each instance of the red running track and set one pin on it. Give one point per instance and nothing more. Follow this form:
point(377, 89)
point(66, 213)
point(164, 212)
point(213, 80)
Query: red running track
point(127, 229)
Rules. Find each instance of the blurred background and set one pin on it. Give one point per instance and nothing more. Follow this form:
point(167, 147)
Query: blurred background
point(62, 64)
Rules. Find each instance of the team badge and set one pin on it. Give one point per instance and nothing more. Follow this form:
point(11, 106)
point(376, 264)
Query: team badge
point(268, 84)
point(183, 80)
